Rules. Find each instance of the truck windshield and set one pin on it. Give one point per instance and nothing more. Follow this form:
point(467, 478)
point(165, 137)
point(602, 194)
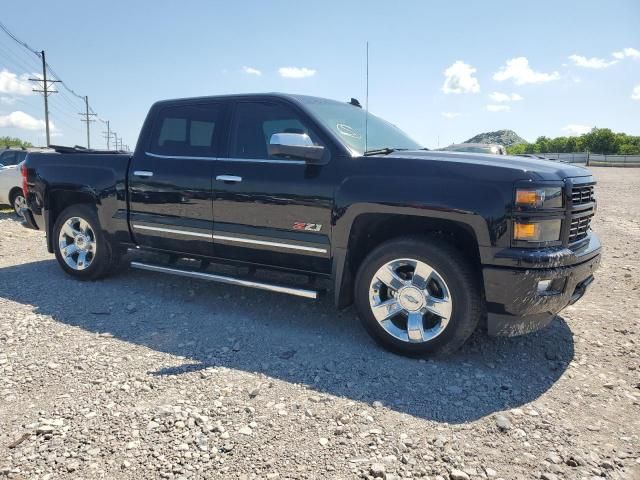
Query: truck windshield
point(348, 123)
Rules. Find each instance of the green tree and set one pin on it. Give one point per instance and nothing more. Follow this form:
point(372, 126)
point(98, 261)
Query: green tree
point(601, 140)
point(598, 140)
point(518, 149)
point(6, 142)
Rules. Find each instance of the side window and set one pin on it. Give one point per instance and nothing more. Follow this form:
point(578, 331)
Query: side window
point(254, 124)
point(186, 130)
point(8, 158)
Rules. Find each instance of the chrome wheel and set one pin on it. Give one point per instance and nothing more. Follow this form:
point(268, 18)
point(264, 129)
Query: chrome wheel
point(19, 203)
point(77, 242)
point(410, 300)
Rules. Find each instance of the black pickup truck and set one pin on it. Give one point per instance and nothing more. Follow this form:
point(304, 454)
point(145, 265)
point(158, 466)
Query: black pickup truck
point(428, 245)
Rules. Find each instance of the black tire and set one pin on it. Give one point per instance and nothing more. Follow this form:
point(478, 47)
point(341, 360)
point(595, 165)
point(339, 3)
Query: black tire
point(452, 267)
point(15, 197)
point(104, 260)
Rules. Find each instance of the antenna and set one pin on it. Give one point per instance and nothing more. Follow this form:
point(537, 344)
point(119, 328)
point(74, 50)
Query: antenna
point(366, 106)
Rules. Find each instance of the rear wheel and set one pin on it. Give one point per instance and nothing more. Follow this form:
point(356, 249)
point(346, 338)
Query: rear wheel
point(80, 245)
point(418, 295)
point(18, 202)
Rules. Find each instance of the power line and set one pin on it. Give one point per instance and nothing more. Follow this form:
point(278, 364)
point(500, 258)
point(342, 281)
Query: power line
point(58, 119)
point(63, 108)
point(17, 40)
point(13, 59)
point(72, 103)
point(107, 134)
point(87, 119)
point(46, 91)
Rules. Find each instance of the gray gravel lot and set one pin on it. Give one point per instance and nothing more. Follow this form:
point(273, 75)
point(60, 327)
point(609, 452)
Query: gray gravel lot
point(147, 376)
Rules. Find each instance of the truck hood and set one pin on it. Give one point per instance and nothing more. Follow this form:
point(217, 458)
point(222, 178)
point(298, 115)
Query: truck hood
point(535, 169)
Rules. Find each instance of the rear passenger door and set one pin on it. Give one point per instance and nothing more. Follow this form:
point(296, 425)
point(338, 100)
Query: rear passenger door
point(170, 200)
point(270, 210)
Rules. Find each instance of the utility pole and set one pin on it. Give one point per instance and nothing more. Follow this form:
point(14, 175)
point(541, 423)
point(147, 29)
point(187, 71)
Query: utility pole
point(87, 118)
point(45, 92)
point(115, 139)
point(107, 134)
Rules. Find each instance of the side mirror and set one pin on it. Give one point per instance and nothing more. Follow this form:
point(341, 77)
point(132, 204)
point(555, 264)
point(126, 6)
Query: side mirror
point(295, 145)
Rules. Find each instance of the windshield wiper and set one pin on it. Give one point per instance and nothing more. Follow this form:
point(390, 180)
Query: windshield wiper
point(382, 151)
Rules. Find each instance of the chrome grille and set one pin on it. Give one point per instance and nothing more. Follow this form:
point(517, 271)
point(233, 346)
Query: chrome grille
point(581, 194)
point(580, 227)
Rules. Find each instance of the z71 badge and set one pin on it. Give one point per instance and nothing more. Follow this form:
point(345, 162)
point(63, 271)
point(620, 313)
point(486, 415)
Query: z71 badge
point(309, 227)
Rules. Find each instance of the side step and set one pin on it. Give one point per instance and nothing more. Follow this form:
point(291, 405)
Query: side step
point(300, 292)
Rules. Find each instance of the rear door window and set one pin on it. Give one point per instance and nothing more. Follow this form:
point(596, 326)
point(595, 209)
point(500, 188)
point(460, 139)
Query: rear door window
point(186, 130)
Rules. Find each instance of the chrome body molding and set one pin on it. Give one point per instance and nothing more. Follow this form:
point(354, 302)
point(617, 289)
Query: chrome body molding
point(227, 238)
point(173, 230)
point(269, 244)
point(299, 292)
point(239, 160)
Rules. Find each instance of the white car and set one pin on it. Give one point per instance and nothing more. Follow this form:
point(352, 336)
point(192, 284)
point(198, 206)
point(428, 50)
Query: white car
point(11, 179)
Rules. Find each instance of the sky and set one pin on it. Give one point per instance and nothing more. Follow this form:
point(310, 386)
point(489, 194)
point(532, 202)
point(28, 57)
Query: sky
point(442, 71)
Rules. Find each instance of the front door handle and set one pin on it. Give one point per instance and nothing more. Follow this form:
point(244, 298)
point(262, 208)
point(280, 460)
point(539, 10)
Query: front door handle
point(143, 173)
point(228, 178)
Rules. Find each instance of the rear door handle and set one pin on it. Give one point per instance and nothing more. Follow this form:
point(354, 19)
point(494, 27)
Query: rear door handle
point(143, 173)
point(229, 178)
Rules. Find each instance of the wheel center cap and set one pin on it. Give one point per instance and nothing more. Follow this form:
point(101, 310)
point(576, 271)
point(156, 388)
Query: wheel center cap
point(81, 242)
point(411, 299)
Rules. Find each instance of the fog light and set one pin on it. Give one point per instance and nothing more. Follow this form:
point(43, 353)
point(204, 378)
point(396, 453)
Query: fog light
point(543, 286)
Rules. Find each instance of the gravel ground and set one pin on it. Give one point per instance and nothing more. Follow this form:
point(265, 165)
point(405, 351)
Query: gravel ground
point(148, 376)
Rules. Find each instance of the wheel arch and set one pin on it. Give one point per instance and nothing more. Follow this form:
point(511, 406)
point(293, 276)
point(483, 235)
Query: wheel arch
point(58, 201)
point(368, 230)
point(13, 192)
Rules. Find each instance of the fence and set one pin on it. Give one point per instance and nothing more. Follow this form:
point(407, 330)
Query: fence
point(596, 160)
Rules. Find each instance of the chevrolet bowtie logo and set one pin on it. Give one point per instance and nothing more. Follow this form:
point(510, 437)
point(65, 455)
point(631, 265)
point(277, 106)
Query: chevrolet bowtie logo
point(411, 298)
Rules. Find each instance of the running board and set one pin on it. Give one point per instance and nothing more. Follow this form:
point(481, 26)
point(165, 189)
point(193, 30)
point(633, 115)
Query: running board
point(300, 292)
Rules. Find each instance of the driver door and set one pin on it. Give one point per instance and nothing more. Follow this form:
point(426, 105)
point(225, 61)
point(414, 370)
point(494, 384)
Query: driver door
point(272, 210)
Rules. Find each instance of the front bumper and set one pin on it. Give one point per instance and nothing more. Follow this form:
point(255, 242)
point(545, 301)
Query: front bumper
point(514, 304)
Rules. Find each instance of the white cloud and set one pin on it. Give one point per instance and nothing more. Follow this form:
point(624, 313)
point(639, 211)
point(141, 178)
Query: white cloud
point(504, 97)
point(252, 71)
point(23, 121)
point(459, 79)
point(593, 62)
point(518, 70)
point(450, 115)
point(13, 84)
point(498, 108)
point(296, 72)
point(626, 53)
point(635, 93)
point(7, 100)
point(574, 130)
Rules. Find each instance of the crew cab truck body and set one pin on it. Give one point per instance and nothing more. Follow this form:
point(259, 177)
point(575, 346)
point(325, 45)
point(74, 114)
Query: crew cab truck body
point(426, 244)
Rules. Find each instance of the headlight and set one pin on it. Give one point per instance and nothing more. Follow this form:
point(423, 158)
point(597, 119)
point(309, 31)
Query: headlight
point(537, 231)
point(544, 197)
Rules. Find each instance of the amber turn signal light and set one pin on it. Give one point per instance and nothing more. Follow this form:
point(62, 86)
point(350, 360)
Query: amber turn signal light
point(528, 232)
point(530, 198)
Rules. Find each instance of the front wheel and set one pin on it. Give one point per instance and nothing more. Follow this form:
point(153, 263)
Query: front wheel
point(80, 245)
point(417, 296)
